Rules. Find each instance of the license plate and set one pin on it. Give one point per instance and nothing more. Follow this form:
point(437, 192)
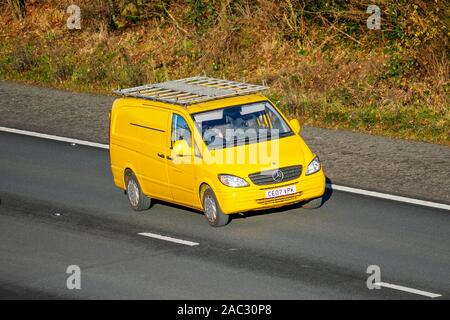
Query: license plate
point(280, 192)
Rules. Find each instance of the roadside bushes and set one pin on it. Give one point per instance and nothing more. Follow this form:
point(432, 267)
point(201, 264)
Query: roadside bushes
point(321, 61)
point(119, 14)
point(22, 59)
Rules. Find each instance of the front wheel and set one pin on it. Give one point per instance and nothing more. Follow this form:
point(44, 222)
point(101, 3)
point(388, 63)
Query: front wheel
point(211, 208)
point(138, 200)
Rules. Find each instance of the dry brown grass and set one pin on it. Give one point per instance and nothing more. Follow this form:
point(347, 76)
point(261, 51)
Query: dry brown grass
point(324, 66)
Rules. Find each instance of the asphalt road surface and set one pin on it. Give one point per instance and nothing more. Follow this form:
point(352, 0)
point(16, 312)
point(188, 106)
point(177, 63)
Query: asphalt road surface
point(59, 207)
point(400, 167)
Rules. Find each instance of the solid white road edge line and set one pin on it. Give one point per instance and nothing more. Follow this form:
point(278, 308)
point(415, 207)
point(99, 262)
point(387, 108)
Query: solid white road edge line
point(390, 197)
point(56, 138)
point(160, 237)
point(332, 186)
point(406, 289)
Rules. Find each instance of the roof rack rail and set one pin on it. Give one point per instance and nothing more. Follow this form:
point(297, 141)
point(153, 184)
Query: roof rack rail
point(191, 90)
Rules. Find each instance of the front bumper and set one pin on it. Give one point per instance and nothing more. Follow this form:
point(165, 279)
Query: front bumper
point(235, 200)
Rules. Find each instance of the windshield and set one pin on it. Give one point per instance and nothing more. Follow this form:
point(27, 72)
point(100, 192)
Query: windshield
point(231, 126)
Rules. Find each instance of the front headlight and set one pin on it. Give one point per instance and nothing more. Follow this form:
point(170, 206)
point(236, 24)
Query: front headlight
point(232, 181)
point(313, 166)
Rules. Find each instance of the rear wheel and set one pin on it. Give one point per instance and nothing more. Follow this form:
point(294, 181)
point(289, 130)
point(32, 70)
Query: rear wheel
point(211, 208)
point(138, 200)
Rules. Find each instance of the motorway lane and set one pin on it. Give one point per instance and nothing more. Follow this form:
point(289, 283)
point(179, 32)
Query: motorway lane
point(289, 253)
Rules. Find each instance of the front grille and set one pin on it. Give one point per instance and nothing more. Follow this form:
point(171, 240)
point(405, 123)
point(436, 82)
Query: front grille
point(267, 177)
point(283, 199)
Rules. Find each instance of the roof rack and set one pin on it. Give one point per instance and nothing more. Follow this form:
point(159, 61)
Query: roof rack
point(191, 90)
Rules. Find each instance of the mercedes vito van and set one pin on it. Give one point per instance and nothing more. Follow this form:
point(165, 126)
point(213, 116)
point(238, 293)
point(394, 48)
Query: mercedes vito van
point(214, 145)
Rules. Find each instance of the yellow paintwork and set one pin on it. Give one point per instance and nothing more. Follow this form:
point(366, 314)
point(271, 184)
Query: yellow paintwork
point(137, 149)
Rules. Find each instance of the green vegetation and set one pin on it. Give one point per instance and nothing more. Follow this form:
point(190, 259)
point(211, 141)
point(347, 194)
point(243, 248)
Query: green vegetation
point(322, 62)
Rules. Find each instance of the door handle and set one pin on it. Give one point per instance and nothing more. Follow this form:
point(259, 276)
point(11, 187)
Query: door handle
point(161, 155)
point(169, 158)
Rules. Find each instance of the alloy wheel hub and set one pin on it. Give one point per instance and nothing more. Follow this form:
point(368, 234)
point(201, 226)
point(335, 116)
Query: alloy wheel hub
point(210, 208)
point(133, 193)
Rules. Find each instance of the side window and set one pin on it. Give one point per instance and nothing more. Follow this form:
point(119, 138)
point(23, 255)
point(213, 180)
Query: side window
point(275, 120)
point(180, 130)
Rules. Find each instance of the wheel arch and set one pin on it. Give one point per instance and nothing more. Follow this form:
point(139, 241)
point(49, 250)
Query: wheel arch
point(129, 168)
point(201, 189)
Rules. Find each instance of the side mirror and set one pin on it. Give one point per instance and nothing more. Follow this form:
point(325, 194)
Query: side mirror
point(181, 148)
point(295, 125)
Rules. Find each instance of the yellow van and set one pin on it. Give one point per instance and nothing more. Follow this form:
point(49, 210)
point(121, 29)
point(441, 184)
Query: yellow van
point(214, 145)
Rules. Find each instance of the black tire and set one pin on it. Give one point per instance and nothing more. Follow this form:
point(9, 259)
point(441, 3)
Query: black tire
point(313, 204)
point(133, 189)
point(216, 218)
